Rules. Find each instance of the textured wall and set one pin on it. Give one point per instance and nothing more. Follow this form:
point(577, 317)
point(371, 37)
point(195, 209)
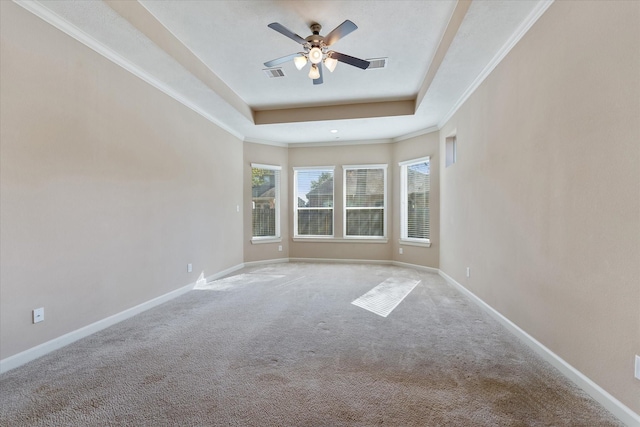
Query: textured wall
point(544, 202)
point(108, 187)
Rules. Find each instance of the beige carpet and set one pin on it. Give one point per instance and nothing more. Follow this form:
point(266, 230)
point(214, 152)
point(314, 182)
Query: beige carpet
point(283, 346)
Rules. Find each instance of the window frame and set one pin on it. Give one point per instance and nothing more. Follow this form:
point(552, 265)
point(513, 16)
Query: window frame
point(346, 168)
point(296, 208)
point(451, 150)
point(404, 220)
point(278, 183)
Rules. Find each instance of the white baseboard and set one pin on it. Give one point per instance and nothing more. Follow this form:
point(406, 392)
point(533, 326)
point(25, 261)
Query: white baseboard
point(417, 267)
point(266, 261)
point(340, 261)
point(367, 261)
point(617, 408)
point(224, 272)
point(33, 353)
point(613, 405)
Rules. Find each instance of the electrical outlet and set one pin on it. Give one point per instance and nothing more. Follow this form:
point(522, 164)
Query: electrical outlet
point(38, 315)
point(189, 268)
point(400, 251)
point(468, 271)
point(637, 367)
point(279, 248)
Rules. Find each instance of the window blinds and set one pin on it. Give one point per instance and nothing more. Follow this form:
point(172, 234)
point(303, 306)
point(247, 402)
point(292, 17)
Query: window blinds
point(265, 192)
point(313, 189)
point(364, 201)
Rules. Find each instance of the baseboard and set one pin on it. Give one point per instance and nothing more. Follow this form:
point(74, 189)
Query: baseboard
point(613, 405)
point(417, 267)
point(223, 273)
point(617, 408)
point(368, 261)
point(341, 261)
point(266, 261)
point(40, 350)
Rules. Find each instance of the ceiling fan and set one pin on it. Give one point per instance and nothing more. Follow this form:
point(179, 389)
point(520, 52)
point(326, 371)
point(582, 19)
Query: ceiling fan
point(316, 50)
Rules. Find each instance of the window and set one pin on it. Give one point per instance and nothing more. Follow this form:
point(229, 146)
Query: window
point(265, 196)
point(451, 150)
point(313, 201)
point(414, 188)
point(365, 201)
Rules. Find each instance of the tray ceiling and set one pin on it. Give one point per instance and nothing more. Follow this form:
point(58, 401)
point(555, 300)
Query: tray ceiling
point(209, 55)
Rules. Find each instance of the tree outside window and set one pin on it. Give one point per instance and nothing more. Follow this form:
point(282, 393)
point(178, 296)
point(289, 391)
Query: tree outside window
point(265, 193)
point(314, 201)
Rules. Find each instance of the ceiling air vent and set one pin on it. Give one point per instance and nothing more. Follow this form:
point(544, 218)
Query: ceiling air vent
point(377, 63)
point(273, 73)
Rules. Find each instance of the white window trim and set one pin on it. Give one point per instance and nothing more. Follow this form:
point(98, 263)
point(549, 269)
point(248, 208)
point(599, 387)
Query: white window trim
point(451, 150)
point(345, 168)
point(278, 237)
point(295, 203)
point(265, 239)
point(328, 239)
point(403, 204)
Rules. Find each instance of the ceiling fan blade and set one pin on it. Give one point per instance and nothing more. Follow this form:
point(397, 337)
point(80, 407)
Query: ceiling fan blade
point(279, 61)
point(339, 32)
point(286, 32)
point(319, 80)
point(356, 62)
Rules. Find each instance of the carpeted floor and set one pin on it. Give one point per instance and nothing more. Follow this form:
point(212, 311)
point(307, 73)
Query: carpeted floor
point(282, 345)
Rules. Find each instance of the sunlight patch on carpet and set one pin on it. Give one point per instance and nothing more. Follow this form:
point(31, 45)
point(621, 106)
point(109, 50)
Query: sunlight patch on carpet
point(385, 297)
point(239, 280)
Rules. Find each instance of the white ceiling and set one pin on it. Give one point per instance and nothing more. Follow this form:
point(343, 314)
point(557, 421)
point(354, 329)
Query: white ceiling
point(210, 54)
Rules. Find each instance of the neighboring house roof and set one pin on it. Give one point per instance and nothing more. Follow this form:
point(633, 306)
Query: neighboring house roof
point(269, 194)
point(263, 189)
point(324, 189)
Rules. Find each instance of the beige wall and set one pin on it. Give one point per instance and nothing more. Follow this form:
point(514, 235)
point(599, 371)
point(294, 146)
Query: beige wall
point(420, 146)
point(331, 155)
point(108, 187)
point(338, 156)
point(544, 202)
point(275, 156)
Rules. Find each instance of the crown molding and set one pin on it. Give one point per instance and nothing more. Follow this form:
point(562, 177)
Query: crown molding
point(524, 27)
point(148, 24)
point(453, 26)
point(420, 132)
point(266, 142)
point(71, 30)
point(340, 143)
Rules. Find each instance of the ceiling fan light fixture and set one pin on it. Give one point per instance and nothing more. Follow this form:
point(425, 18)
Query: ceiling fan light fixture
point(300, 61)
point(315, 55)
point(316, 50)
point(314, 73)
point(331, 63)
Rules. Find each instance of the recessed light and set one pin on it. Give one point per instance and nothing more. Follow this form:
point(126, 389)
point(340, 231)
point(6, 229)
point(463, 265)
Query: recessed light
point(334, 131)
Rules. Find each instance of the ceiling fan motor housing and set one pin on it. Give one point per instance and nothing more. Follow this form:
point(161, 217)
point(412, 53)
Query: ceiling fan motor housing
point(316, 49)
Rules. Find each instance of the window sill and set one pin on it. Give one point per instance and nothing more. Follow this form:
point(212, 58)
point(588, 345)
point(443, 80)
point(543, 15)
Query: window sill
point(261, 240)
point(339, 240)
point(414, 243)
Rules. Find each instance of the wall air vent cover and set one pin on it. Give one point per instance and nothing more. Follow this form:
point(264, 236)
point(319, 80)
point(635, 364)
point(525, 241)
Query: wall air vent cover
point(377, 63)
point(273, 73)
